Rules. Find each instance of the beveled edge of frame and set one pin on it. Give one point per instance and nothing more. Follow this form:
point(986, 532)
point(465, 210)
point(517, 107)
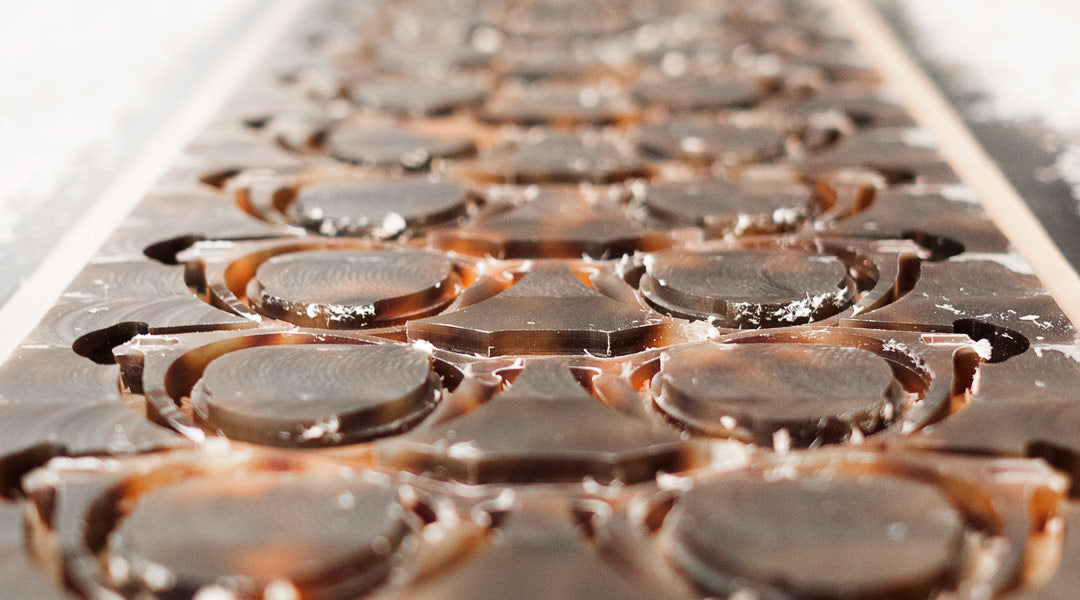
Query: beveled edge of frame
point(932, 112)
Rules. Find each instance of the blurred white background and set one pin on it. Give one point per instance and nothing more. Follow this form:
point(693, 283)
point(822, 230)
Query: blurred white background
point(1012, 67)
point(1024, 53)
point(83, 85)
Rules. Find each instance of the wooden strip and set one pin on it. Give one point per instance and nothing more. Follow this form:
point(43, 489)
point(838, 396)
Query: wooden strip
point(34, 297)
point(933, 113)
